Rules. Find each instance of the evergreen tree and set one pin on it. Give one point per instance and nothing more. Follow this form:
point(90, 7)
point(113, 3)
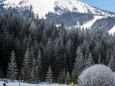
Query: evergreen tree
point(99, 60)
point(29, 42)
point(32, 26)
point(70, 53)
point(12, 66)
point(39, 68)
point(26, 70)
point(67, 78)
point(57, 48)
point(36, 69)
point(89, 61)
point(36, 47)
point(31, 57)
point(78, 65)
point(61, 77)
point(111, 63)
point(35, 72)
point(49, 76)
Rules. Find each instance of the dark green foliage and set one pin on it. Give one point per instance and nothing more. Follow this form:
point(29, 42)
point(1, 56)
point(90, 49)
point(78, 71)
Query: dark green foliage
point(49, 76)
point(12, 67)
point(65, 51)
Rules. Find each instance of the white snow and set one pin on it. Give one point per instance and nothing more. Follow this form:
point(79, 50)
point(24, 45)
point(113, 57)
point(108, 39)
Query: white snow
point(11, 2)
point(98, 75)
point(43, 7)
point(73, 5)
point(26, 84)
point(91, 22)
point(112, 31)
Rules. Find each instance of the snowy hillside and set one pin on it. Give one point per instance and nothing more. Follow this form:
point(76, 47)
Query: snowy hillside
point(91, 22)
point(112, 30)
point(43, 7)
point(56, 11)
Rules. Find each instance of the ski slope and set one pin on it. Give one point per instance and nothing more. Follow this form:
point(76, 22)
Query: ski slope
point(112, 30)
point(91, 22)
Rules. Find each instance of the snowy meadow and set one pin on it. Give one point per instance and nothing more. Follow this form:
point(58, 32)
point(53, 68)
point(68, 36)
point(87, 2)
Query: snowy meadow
point(26, 84)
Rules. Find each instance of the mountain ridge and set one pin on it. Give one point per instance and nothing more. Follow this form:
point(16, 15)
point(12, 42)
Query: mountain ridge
point(73, 13)
point(41, 8)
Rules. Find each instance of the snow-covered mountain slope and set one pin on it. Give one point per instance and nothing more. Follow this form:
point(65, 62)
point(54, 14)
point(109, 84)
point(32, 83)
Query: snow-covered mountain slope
point(112, 30)
point(91, 22)
point(56, 11)
point(43, 7)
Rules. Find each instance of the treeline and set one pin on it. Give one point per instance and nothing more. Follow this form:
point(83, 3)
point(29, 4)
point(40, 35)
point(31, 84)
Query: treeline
point(36, 51)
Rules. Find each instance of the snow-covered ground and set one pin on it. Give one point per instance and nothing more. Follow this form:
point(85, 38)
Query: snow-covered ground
point(26, 84)
point(112, 31)
point(43, 7)
point(91, 22)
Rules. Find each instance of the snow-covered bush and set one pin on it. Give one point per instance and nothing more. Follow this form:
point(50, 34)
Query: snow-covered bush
point(97, 75)
point(114, 78)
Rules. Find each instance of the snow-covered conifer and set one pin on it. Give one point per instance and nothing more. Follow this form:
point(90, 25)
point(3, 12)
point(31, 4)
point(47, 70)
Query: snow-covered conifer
point(97, 75)
point(49, 77)
point(89, 61)
point(78, 65)
point(111, 63)
point(35, 72)
point(12, 68)
point(26, 68)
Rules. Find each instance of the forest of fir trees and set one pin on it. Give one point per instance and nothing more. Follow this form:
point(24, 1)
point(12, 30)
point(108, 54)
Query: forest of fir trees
point(38, 52)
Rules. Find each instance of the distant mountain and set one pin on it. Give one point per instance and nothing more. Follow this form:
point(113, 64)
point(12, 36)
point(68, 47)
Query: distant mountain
point(43, 7)
point(71, 12)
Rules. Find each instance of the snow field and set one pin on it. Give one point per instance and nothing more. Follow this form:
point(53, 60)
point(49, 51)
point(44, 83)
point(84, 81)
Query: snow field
point(26, 84)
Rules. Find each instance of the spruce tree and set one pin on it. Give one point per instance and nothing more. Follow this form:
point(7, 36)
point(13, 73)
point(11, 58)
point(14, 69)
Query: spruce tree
point(26, 70)
point(38, 68)
point(61, 77)
point(49, 76)
point(12, 68)
point(31, 57)
point(67, 78)
point(35, 71)
point(78, 65)
point(111, 63)
point(89, 61)
point(70, 53)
